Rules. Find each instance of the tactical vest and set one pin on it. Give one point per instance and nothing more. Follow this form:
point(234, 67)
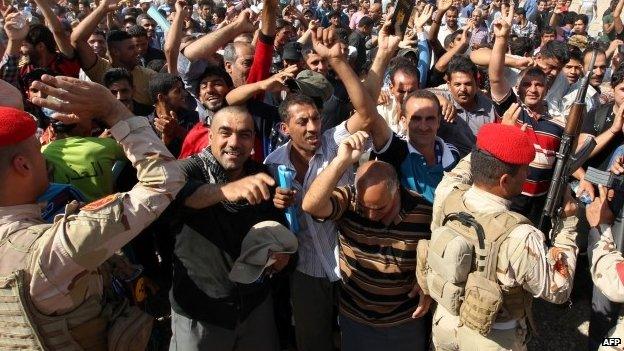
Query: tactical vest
point(462, 258)
point(93, 325)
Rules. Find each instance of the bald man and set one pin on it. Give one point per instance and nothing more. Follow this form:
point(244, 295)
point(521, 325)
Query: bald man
point(208, 310)
point(380, 224)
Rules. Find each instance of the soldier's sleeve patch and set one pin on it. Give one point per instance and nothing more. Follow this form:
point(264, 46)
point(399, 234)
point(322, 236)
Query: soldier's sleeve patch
point(620, 271)
point(100, 203)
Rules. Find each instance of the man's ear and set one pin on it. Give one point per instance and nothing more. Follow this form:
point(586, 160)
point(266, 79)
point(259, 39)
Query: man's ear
point(21, 164)
point(503, 182)
point(283, 127)
point(160, 97)
point(228, 67)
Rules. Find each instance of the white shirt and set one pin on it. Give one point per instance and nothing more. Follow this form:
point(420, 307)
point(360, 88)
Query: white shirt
point(318, 241)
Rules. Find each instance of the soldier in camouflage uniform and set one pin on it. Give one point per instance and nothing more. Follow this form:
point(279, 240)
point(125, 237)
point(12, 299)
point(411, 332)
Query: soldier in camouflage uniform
point(607, 262)
point(51, 283)
point(498, 167)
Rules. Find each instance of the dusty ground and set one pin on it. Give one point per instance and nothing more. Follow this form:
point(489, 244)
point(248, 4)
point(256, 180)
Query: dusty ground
point(564, 327)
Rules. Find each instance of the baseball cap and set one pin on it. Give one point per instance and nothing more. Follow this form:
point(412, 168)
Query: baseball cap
point(262, 240)
point(314, 85)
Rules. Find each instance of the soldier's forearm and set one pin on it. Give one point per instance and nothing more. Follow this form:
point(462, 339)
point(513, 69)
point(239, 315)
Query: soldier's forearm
point(157, 169)
point(606, 261)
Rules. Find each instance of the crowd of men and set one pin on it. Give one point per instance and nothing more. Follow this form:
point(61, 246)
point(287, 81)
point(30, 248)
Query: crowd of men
point(298, 175)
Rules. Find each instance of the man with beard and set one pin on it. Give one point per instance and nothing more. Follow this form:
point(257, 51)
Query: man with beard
point(542, 128)
point(121, 49)
point(119, 82)
point(450, 26)
point(214, 84)
point(474, 109)
point(232, 194)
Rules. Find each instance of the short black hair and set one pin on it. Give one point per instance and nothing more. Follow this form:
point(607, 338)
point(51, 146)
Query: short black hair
point(521, 46)
point(422, 94)
point(617, 77)
point(137, 32)
point(404, 65)
point(487, 169)
point(557, 50)
point(220, 12)
point(34, 75)
point(569, 18)
point(293, 99)
point(214, 70)
point(548, 30)
point(39, 33)
point(460, 63)
point(114, 75)
point(365, 22)
point(575, 54)
point(582, 17)
point(99, 32)
point(451, 37)
point(117, 36)
point(161, 83)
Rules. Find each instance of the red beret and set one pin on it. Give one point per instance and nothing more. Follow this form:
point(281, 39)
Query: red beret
point(15, 126)
point(507, 143)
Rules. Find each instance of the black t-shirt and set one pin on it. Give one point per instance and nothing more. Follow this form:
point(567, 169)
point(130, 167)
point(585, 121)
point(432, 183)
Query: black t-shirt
point(595, 123)
point(358, 41)
point(337, 108)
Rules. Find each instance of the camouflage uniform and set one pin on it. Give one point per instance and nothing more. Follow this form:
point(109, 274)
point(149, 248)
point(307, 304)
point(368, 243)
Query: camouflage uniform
point(59, 262)
point(607, 270)
point(523, 260)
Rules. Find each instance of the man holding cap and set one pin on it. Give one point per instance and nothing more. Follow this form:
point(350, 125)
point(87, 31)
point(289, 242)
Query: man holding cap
point(58, 265)
point(524, 266)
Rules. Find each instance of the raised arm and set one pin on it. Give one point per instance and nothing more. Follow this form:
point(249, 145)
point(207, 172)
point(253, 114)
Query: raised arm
point(269, 17)
point(499, 87)
point(317, 201)
point(62, 41)
point(85, 28)
point(9, 70)
point(248, 91)
point(101, 228)
point(386, 49)
point(459, 48)
point(366, 116)
point(443, 6)
point(424, 55)
point(204, 47)
point(617, 20)
point(174, 36)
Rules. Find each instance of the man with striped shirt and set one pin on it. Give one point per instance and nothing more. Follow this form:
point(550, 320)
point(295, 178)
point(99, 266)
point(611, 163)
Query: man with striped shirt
point(380, 224)
point(543, 130)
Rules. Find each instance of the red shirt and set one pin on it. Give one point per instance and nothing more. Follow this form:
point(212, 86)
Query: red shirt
point(196, 140)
